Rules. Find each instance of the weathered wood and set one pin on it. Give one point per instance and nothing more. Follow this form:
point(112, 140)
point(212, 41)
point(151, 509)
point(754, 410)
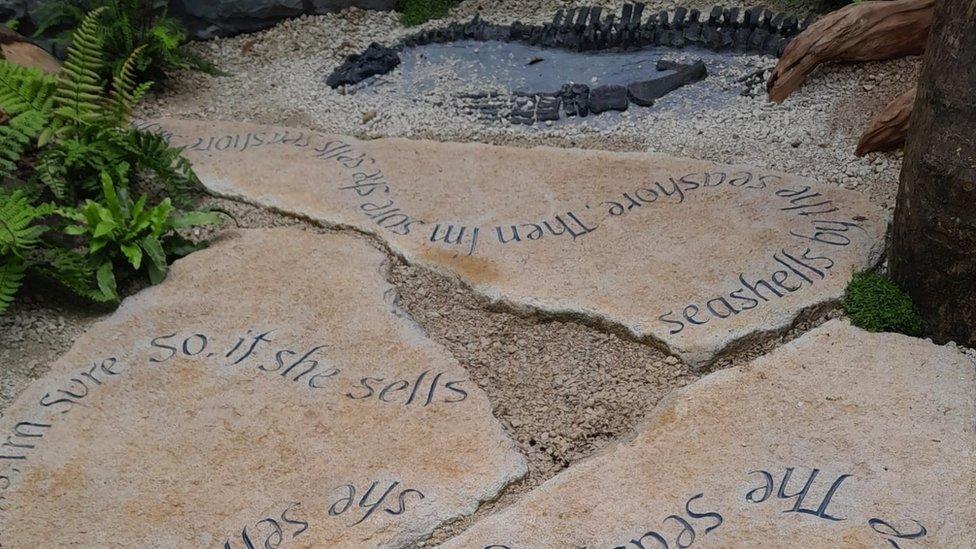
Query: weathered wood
point(888, 128)
point(933, 254)
point(18, 50)
point(859, 32)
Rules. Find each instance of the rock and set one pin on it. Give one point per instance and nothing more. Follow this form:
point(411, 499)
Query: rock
point(644, 93)
point(608, 98)
point(377, 59)
point(539, 228)
point(18, 50)
point(266, 384)
point(576, 99)
point(839, 439)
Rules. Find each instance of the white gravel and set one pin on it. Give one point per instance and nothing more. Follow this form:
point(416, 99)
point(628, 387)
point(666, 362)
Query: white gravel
point(277, 78)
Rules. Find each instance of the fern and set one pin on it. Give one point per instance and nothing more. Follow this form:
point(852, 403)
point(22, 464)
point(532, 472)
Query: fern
point(126, 92)
point(18, 232)
point(16, 136)
point(78, 99)
point(12, 271)
point(74, 271)
point(24, 89)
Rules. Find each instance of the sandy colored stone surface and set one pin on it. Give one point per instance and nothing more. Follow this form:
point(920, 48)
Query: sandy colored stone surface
point(692, 254)
point(877, 430)
point(173, 424)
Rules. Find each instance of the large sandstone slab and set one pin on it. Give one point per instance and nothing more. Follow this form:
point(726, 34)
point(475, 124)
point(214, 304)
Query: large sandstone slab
point(264, 394)
point(690, 254)
point(839, 439)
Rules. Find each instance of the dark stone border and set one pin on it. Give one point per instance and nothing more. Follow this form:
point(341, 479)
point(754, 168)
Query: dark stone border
point(756, 30)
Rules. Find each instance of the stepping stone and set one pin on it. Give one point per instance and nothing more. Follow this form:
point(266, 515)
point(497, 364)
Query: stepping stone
point(691, 255)
point(268, 392)
point(838, 439)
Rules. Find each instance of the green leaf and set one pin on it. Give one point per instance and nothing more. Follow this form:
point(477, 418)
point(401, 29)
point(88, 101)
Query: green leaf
point(133, 253)
point(106, 281)
point(104, 228)
point(75, 230)
point(154, 249)
point(194, 219)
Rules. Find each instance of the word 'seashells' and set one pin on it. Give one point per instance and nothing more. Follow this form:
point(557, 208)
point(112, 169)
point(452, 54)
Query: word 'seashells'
point(265, 393)
point(839, 439)
point(692, 255)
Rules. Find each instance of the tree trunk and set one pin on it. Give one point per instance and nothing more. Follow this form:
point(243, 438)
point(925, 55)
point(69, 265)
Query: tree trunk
point(933, 254)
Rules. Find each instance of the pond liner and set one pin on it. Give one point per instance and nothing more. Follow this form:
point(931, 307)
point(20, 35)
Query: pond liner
point(755, 30)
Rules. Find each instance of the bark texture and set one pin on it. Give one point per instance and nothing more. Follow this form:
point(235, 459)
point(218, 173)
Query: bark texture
point(934, 243)
point(867, 31)
point(888, 128)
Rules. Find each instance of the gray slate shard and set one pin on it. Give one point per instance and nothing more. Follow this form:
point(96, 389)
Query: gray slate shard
point(547, 107)
point(608, 98)
point(758, 38)
point(595, 13)
point(730, 18)
point(789, 26)
point(715, 17)
point(646, 92)
point(635, 20)
point(377, 59)
point(694, 16)
point(740, 39)
point(678, 22)
point(575, 99)
point(625, 14)
point(581, 18)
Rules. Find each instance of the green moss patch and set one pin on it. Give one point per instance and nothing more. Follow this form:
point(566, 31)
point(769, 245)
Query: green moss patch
point(416, 12)
point(876, 304)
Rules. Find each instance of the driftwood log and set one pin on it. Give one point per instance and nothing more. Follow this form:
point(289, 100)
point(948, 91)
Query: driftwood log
point(868, 31)
point(18, 50)
point(888, 128)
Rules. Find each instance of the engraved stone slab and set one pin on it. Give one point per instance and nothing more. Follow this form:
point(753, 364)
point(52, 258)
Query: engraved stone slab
point(266, 393)
point(838, 439)
point(693, 255)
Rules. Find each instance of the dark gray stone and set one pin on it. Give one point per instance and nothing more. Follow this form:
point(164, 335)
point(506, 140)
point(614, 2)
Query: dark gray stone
point(377, 59)
point(575, 99)
point(608, 98)
point(646, 92)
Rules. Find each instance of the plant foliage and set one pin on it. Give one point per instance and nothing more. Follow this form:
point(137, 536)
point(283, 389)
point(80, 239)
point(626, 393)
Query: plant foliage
point(128, 25)
point(876, 304)
point(417, 12)
point(70, 161)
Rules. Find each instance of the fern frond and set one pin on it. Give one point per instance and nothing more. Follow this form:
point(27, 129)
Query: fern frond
point(11, 277)
point(18, 232)
point(16, 136)
point(78, 100)
point(153, 153)
point(72, 270)
point(126, 92)
point(24, 89)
